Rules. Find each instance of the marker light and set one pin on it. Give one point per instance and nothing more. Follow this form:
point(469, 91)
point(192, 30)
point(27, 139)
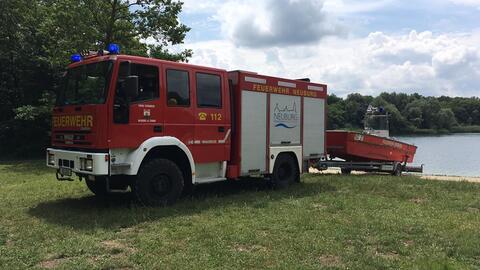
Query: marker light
point(113, 48)
point(76, 58)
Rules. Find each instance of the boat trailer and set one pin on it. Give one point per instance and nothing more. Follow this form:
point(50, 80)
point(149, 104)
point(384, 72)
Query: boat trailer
point(346, 167)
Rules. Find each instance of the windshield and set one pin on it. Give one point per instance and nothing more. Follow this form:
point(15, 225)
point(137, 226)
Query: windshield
point(86, 84)
point(376, 122)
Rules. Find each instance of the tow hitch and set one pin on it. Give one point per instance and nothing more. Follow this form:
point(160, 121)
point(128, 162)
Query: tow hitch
point(64, 174)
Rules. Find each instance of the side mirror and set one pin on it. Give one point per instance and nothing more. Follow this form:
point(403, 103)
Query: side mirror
point(129, 87)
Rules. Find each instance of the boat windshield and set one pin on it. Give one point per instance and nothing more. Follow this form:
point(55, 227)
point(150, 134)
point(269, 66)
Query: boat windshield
point(86, 84)
point(376, 122)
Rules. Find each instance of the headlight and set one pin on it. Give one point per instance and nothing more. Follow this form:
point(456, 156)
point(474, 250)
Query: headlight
point(89, 165)
point(50, 159)
point(86, 164)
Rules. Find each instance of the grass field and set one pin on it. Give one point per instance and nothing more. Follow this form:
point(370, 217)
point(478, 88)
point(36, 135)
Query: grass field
point(331, 222)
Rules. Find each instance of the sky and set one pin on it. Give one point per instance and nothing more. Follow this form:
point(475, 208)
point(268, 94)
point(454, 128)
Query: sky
point(429, 47)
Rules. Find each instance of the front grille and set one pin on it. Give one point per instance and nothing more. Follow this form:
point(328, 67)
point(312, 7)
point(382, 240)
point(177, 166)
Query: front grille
point(74, 131)
point(71, 137)
point(66, 163)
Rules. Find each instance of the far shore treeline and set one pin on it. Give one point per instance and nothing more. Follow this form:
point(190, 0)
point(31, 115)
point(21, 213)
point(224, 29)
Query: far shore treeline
point(409, 113)
point(38, 37)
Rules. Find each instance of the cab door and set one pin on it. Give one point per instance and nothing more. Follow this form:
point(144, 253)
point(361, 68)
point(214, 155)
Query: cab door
point(212, 134)
point(136, 119)
point(179, 114)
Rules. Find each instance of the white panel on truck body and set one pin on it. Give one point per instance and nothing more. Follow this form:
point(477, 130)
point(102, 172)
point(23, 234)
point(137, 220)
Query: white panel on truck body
point(254, 132)
point(285, 119)
point(313, 127)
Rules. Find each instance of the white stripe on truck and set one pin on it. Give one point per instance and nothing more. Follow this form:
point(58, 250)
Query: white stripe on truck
point(316, 88)
point(255, 80)
point(287, 84)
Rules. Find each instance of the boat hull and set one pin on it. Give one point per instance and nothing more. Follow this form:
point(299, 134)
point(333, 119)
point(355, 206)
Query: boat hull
point(354, 146)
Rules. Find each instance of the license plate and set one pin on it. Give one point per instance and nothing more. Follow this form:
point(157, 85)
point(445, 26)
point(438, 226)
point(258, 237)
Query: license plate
point(65, 171)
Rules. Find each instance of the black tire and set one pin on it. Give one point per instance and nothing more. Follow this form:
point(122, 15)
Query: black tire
point(285, 172)
point(346, 171)
point(98, 186)
point(159, 183)
point(398, 169)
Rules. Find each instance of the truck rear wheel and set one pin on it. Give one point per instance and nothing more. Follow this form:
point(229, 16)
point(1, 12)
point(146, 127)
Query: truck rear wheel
point(285, 171)
point(159, 183)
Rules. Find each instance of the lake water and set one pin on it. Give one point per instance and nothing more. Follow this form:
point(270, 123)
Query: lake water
point(457, 154)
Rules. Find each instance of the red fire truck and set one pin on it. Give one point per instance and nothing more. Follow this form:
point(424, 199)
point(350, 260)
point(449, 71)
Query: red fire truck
point(157, 127)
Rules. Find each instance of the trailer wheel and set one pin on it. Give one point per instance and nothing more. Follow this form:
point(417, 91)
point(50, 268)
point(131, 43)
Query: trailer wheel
point(159, 183)
point(285, 171)
point(398, 170)
point(346, 171)
point(98, 187)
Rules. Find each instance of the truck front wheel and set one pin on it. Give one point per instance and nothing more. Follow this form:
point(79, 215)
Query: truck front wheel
point(285, 171)
point(159, 183)
point(98, 186)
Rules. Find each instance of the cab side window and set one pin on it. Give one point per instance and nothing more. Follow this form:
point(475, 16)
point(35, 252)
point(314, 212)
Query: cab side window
point(178, 89)
point(147, 81)
point(209, 90)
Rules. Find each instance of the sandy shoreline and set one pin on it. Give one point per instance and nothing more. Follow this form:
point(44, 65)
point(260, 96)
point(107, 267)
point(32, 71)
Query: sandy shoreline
point(452, 178)
point(422, 176)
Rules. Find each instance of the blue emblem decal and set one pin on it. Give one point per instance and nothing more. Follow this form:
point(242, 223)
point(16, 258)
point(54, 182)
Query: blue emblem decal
point(285, 116)
point(284, 126)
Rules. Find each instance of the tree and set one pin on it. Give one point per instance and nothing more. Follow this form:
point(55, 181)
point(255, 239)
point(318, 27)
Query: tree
point(397, 122)
point(332, 99)
point(129, 22)
point(335, 116)
point(38, 37)
point(446, 119)
point(414, 115)
point(355, 107)
point(429, 108)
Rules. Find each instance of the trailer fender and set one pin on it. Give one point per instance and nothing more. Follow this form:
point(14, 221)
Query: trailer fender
point(132, 160)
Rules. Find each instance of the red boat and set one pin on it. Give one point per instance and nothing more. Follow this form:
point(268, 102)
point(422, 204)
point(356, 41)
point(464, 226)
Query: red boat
point(362, 147)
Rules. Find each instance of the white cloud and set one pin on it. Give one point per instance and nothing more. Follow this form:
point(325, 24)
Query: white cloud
point(302, 38)
point(447, 64)
point(355, 6)
point(276, 22)
point(472, 3)
point(333, 6)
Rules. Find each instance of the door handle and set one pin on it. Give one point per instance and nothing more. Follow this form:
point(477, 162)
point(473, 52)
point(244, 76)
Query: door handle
point(221, 129)
point(157, 129)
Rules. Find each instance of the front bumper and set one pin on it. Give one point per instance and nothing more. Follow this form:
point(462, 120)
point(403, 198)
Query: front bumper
point(72, 160)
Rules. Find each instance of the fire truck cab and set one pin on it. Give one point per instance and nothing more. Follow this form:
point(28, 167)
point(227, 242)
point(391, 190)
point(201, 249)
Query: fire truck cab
point(158, 127)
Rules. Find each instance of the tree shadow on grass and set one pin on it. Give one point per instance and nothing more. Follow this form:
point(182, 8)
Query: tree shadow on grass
point(122, 211)
point(36, 166)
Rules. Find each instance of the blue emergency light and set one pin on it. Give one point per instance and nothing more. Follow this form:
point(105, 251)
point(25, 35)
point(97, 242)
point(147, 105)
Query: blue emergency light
point(113, 48)
point(76, 57)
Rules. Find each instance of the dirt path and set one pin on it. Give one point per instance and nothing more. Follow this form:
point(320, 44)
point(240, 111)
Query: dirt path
point(452, 178)
point(426, 177)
